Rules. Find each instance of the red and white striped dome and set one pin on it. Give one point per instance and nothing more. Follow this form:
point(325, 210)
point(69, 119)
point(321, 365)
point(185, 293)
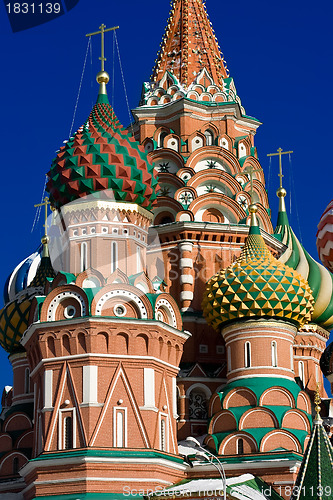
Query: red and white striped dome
point(325, 237)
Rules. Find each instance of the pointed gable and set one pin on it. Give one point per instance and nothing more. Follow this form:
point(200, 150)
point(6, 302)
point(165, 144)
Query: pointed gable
point(189, 45)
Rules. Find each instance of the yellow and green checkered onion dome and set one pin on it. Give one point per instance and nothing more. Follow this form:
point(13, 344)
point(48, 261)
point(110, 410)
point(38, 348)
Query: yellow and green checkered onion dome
point(257, 285)
point(14, 320)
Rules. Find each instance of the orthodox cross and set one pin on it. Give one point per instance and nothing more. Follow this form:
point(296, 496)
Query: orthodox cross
point(251, 170)
point(279, 154)
point(45, 204)
point(103, 30)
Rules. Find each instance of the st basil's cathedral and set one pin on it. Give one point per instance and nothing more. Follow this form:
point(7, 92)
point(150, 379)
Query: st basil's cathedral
point(166, 339)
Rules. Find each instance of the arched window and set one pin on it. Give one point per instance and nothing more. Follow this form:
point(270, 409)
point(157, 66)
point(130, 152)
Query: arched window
point(274, 353)
point(68, 433)
point(209, 137)
point(301, 371)
point(161, 138)
point(114, 256)
point(163, 435)
point(15, 466)
point(240, 446)
point(84, 256)
point(27, 381)
point(229, 359)
point(247, 354)
point(198, 405)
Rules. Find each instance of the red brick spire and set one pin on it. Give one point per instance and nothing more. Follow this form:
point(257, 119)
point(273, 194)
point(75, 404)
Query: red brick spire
point(189, 45)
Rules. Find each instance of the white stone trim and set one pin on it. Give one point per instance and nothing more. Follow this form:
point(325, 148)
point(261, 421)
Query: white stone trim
point(185, 262)
point(48, 389)
point(149, 387)
point(186, 279)
point(122, 293)
point(89, 384)
point(186, 295)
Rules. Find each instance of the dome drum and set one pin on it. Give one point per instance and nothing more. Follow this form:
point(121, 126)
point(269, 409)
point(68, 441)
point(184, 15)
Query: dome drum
point(259, 347)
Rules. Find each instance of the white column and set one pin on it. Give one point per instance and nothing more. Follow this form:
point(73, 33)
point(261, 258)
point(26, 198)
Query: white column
point(90, 380)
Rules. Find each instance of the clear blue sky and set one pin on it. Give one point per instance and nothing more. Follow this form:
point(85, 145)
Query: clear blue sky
point(279, 54)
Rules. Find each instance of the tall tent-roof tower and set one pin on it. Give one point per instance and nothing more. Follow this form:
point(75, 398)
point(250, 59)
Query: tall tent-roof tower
point(189, 45)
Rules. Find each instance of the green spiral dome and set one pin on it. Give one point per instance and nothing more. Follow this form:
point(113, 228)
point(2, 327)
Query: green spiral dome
point(102, 156)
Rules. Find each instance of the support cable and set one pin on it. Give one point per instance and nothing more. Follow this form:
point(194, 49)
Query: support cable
point(122, 75)
point(78, 95)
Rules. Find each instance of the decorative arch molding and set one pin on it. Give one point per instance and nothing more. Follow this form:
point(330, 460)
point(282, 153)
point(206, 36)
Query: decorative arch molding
point(255, 163)
point(202, 387)
point(165, 155)
point(224, 421)
point(164, 203)
point(172, 179)
point(303, 402)
point(248, 396)
point(90, 273)
point(10, 457)
point(148, 144)
point(299, 416)
point(211, 127)
point(172, 141)
point(214, 404)
point(185, 215)
point(218, 176)
point(265, 412)
point(269, 397)
point(23, 420)
point(219, 153)
point(225, 140)
point(122, 292)
point(58, 295)
point(168, 305)
point(22, 440)
point(234, 437)
point(259, 190)
point(284, 437)
point(165, 216)
point(117, 276)
point(218, 200)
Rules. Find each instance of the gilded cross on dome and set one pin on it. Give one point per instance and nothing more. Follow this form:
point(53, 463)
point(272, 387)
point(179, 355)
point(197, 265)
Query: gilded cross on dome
point(101, 32)
point(279, 153)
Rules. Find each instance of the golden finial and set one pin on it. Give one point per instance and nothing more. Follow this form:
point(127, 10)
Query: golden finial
point(102, 77)
point(281, 192)
point(317, 401)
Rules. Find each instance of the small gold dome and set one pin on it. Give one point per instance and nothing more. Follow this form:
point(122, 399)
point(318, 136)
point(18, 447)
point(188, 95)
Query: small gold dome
point(281, 192)
point(257, 285)
point(102, 77)
point(45, 240)
point(253, 209)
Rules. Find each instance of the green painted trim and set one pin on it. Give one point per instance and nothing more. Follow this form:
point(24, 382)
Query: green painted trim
point(109, 454)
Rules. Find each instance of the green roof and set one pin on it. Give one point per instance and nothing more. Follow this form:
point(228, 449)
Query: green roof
point(315, 477)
